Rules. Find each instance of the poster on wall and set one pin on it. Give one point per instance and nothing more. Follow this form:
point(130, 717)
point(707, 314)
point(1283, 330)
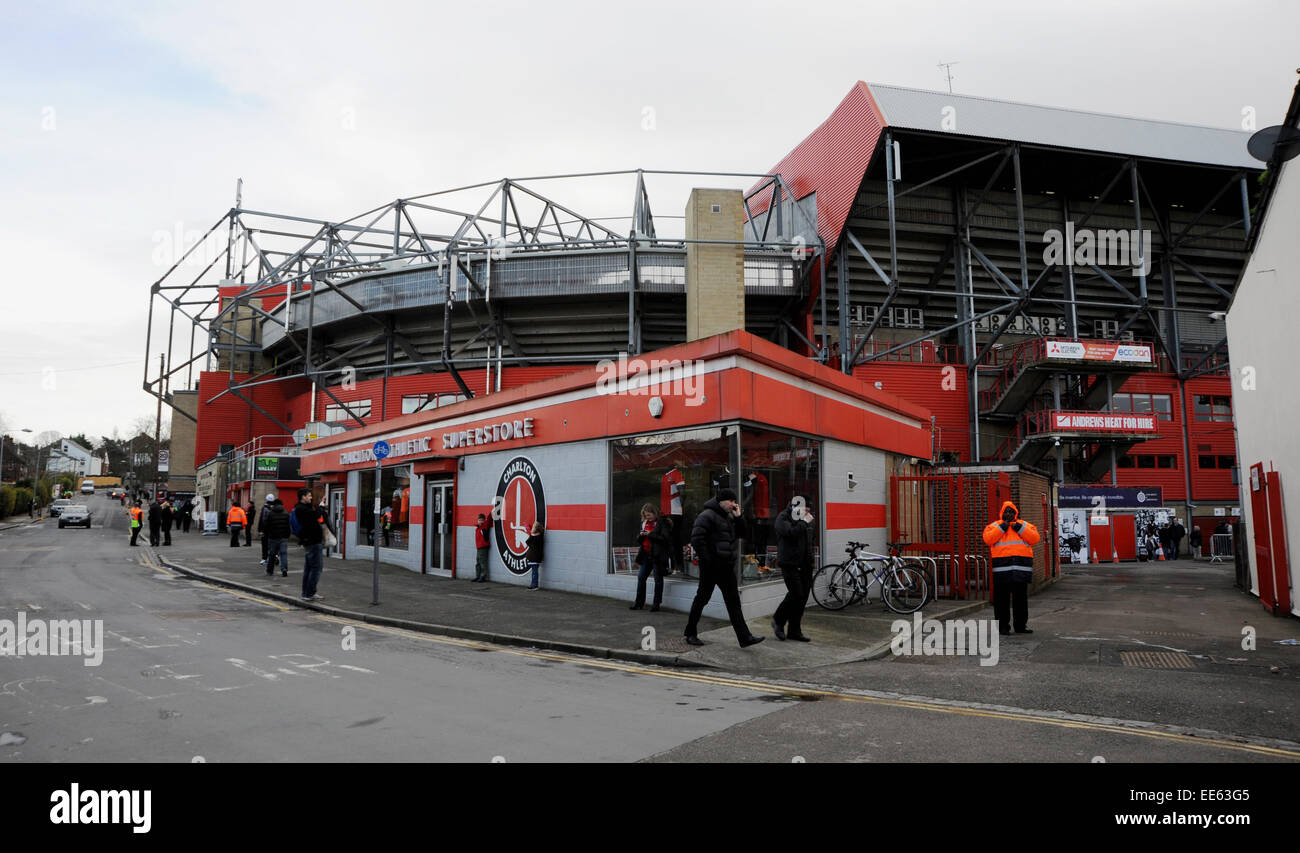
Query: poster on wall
point(1073, 539)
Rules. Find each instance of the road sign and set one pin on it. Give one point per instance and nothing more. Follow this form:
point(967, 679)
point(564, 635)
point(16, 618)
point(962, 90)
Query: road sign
point(381, 449)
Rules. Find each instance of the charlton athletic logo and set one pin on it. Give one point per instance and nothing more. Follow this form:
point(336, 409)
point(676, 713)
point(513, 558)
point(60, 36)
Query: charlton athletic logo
point(519, 502)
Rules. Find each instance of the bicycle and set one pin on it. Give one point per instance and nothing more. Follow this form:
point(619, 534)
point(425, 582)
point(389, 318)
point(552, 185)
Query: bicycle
point(903, 588)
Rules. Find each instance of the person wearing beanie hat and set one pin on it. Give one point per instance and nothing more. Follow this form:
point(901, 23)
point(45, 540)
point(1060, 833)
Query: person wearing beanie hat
point(261, 526)
point(714, 537)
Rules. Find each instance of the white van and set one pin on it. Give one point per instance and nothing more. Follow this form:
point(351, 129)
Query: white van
point(87, 487)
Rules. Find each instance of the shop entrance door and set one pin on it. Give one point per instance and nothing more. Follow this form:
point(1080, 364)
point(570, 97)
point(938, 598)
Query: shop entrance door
point(336, 518)
point(439, 512)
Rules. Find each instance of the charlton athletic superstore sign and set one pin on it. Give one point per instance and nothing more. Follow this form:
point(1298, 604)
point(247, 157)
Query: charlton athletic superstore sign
point(520, 501)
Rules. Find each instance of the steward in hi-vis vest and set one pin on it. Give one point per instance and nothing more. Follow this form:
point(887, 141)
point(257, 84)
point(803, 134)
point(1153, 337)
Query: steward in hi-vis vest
point(137, 518)
point(1011, 540)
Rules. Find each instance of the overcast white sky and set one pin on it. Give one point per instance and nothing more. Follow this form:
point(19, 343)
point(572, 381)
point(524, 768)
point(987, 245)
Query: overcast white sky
point(120, 121)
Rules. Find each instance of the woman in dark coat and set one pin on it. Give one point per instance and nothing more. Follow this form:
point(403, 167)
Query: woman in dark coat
point(656, 537)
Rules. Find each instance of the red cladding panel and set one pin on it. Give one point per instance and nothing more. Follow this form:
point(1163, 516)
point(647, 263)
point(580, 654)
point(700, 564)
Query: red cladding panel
point(832, 161)
point(845, 516)
point(945, 395)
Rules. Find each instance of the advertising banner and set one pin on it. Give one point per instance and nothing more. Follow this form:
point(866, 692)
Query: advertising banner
point(1108, 497)
point(1102, 422)
point(1099, 351)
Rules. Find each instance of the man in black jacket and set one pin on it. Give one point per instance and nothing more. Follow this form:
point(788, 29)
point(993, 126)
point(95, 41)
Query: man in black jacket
point(261, 526)
point(155, 522)
point(312, 525)
point(276, 531)
point(714, 537)
point(794, 554)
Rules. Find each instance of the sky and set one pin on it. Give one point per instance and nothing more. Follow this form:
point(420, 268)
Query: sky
point(123, 125)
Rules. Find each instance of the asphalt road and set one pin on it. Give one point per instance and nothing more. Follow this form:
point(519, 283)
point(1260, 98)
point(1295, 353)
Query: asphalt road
point(194, 672)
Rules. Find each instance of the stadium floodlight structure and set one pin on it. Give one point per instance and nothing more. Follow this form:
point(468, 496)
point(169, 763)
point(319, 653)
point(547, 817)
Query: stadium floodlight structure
point(426, 283)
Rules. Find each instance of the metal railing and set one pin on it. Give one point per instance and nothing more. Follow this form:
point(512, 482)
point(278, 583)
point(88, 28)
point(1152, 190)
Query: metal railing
point(282, 445)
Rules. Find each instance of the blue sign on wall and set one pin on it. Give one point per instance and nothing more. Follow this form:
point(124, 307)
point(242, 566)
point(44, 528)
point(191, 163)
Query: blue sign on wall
point(381, 449)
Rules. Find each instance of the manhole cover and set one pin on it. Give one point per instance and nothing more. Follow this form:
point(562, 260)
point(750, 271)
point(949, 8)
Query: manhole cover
point(671, 644)
point(201, 615)
point(1177, 635)
point(1156, 660)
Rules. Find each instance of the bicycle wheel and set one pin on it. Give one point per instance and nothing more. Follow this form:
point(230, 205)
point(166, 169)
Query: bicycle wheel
point(920, 566)
point(821, 588)
point(905, 590)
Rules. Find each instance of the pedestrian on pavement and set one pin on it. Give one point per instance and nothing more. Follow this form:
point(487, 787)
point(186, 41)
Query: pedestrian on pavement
point(261, 526)
point(715, 537)
point(137, 519)
point(656, 539)
point(1011, 540)
point(236, 521)
point(386, 524)
point(794, 554)
point(536, 553)
point(249, 511)
point(187, 509)
point(1194, 541)
point(166, 522)
point(1176, 534)
point(277, 529)
point(312, 524)
point(481, 529)
point(155, 522)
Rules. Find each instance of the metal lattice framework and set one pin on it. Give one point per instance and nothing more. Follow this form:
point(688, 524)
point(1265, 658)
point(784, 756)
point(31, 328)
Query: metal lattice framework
point(453, 236)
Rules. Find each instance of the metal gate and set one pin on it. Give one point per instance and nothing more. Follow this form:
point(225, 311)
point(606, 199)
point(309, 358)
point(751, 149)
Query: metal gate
point(930, 514)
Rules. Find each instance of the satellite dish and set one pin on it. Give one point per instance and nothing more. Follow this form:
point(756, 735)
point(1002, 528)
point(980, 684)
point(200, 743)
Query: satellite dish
point(1278, 142)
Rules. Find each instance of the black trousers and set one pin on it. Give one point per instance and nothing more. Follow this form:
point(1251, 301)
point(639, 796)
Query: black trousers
point(234, 534)
point(167, 534)
point(248, 536)
point(135, 533)
point(1010, 596)
point(153, 535)
point(724, 579)
point(185, 523)
point(265, 546)
point(798, 583)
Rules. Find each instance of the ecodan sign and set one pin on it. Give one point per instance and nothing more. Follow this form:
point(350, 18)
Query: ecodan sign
point(479, 436)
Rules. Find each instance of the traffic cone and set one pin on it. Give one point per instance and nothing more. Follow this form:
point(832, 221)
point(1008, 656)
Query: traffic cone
point(1114, 555)
point(1094, 556)
point(1160, 552)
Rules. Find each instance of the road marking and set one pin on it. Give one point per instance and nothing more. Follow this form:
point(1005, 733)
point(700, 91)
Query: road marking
point(83, 606)
point(32, 607)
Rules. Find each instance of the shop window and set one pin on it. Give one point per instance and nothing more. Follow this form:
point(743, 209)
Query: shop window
point(775, 468)
point(674, 472)
point(394, 507)
point(1163, 405)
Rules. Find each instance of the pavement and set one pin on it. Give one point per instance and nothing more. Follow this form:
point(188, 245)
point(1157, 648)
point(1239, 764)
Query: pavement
point(507, 614)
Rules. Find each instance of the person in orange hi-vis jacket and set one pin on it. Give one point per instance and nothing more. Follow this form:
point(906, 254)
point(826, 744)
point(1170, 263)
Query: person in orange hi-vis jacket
point(1011, 540)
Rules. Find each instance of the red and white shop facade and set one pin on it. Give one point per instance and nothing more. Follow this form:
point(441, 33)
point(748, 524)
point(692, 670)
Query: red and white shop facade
point(584, 452)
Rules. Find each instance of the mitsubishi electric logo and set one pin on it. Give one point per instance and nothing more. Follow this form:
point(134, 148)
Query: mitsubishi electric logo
point(520, 501)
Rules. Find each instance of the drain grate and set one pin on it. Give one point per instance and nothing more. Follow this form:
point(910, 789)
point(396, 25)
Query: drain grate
point(671, 644)
point(1157, 660)
point(1177, 635)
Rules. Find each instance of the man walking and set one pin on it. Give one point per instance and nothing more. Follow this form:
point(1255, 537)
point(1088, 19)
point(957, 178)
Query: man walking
point(1011, 540)
point(261, 527)
point(167, 522)
point(1176, 534)
point(236, 520)
point(481, 530)
point(1194, 542)
point(714, 538)
point(155, 522)
point(186, 510)
point(794, 554)
point(249, 512)
point(277, 530)
point(312, 524)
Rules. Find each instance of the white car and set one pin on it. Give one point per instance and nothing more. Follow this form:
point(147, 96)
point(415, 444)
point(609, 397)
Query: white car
point(76, 515)
point(87, 487)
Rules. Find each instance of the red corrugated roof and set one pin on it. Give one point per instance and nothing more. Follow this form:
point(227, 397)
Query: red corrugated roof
point(832, 161)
